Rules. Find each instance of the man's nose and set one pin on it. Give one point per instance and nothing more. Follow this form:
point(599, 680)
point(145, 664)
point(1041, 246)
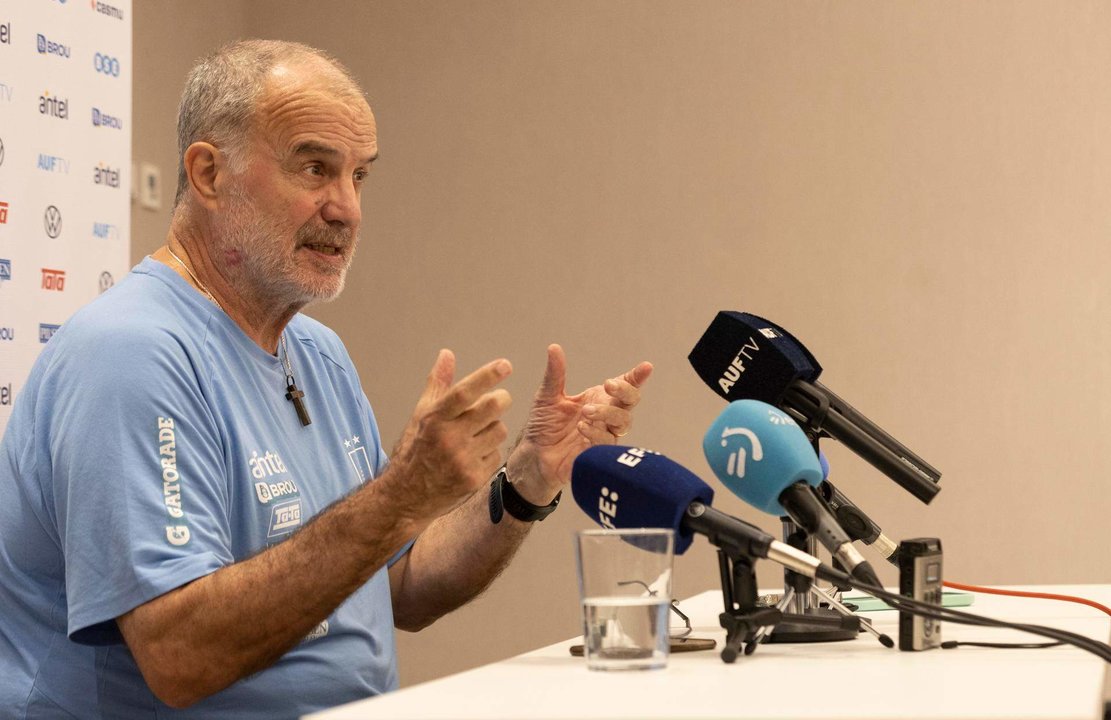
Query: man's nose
point(341, 205)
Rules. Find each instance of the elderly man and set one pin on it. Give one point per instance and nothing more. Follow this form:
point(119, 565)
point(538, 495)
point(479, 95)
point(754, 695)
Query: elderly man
point(198, 512)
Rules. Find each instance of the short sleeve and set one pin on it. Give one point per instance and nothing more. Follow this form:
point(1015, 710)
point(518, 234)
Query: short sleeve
point(137, 469)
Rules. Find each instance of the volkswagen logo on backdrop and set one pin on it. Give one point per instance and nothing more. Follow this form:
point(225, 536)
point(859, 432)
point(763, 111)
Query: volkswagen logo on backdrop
point(52, 221)
point(106, 280)
point(1, 151)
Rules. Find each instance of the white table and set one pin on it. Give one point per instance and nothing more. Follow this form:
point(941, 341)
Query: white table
point(851, 680)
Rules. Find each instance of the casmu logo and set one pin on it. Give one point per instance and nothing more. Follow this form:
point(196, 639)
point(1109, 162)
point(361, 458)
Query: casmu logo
point(105, 9)
point(735, 465)
point(733, 372)
point(105, 175)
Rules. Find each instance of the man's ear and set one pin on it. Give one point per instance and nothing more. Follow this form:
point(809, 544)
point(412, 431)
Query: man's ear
point(205, 165)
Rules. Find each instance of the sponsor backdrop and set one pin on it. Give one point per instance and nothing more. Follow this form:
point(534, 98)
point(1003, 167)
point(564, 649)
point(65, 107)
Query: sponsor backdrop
point(65, 159)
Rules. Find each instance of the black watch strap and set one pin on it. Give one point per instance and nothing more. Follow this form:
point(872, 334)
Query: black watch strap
point(504, 498)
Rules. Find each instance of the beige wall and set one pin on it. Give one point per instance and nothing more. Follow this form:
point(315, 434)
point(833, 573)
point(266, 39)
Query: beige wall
point(919, 191)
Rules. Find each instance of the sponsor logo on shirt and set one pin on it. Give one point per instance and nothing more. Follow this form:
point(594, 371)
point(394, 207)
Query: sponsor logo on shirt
point(178, 533)
point(284, 517)
point(317, 632)
point(265, 467)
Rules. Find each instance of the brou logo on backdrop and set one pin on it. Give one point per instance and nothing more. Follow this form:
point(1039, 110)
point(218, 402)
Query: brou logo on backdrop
point(46, 46)
point(103, 119)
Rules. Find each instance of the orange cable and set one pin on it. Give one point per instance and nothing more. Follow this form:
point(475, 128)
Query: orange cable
point(1022, 593)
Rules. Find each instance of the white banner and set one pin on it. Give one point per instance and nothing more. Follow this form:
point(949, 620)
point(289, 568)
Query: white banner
point(65, 162)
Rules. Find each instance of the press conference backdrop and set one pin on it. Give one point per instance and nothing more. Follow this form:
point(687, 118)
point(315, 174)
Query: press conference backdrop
point(65, 156)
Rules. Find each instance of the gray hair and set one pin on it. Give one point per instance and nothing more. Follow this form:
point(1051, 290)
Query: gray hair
point(222, 92)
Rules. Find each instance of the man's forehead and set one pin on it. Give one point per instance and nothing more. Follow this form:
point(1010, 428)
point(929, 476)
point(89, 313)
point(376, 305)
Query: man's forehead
point(303, 112)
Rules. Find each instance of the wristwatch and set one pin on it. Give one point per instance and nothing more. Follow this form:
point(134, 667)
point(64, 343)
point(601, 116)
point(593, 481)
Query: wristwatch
point(504, 498)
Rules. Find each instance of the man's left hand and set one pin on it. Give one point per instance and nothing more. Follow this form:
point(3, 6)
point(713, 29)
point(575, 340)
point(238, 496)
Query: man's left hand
point(561, 426)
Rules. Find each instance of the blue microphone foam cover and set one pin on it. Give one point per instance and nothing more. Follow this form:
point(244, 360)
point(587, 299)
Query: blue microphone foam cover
point(757, 451)
point(626, 487)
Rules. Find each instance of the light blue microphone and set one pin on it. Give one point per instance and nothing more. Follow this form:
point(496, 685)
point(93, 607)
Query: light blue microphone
point(763, 457)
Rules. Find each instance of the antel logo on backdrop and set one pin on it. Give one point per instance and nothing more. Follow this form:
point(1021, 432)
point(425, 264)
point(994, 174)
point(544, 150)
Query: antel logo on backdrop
point(6, 33)
point(105, 175)
point(53, 279)
point(52, 164)
point(52, 221)
point(106, 65)
point(46, 46)
point(103, 119)
point(105, 9)
point(54, 106)
point(7, 395)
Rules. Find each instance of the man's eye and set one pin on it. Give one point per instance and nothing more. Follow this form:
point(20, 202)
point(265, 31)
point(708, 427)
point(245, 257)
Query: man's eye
point(315, 170)
point(360, 175)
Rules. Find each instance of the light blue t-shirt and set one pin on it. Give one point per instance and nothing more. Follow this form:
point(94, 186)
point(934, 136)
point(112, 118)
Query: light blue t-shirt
point(152, 445)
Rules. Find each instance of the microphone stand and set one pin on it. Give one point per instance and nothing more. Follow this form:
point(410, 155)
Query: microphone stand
point(747, 623)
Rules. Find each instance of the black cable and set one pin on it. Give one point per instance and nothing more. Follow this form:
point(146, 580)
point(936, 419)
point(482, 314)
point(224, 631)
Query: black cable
point(951, 644)
point(936, 612)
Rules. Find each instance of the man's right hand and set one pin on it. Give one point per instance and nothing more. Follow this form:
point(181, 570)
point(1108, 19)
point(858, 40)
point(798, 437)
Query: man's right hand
point(451, 445)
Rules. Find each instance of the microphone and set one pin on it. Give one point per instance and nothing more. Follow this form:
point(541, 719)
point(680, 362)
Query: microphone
point(856, 523)
point(764, 458)
point(743, 356)
point(626, 487)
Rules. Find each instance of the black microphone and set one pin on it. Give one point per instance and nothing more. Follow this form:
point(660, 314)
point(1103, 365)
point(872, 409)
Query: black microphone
point(857, 524)
point(743, 356)
point(625, 487)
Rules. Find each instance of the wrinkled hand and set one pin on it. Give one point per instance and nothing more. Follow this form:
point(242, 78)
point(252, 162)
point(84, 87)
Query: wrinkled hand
point(452, 443)
point(560, 426)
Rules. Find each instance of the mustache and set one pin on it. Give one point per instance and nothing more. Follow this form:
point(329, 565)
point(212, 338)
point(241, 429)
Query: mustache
point(339, 237)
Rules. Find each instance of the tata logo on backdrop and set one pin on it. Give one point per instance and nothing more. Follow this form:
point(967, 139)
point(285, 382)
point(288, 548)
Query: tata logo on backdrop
point(105, 9)
point(105, 175)
point(46, 331)
point(106, 65)
point(53, 279)
point(103, 119)
point(52, 221)
point(106, 231)
point(53, 164)
point(3, 213)
point(54, 106)
point(46, 46)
